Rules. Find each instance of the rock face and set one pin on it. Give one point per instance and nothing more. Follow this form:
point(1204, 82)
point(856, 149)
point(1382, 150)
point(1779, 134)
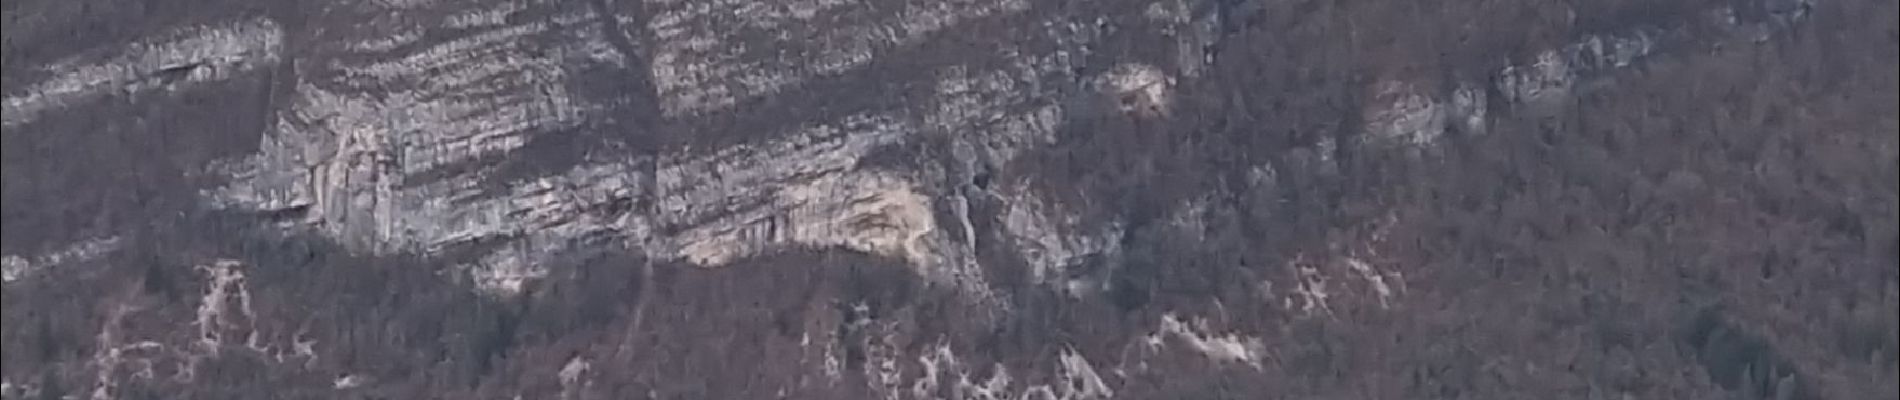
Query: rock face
point(962, 199)
point(183, 56)
point(400, 171)
point(708, 56)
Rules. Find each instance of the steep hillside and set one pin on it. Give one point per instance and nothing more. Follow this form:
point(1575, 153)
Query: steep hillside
point(960, 199)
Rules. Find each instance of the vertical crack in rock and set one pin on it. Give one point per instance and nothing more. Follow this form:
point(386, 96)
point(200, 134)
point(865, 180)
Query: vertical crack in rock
point(994, 116)
point(179, 58)
point(637, 71)
point(386, 142)
point(347, 381)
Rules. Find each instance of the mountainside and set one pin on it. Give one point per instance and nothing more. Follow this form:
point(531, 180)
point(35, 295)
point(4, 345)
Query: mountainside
point(953, 199)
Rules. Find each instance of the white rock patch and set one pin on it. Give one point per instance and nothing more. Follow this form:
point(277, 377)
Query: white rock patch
point(1140, 89)
point(14, 267)
point(1049, 237)
point(703, 62)
point(1233, 348)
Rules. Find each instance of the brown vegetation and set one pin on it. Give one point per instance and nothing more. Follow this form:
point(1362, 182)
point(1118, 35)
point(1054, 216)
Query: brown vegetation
point(1718, 222)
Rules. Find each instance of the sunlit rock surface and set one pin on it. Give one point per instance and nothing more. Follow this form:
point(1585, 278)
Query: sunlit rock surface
point(399, 172)
point(709, 55)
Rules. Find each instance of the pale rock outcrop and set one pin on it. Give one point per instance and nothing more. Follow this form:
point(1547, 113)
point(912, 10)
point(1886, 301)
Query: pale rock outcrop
point(993, 116)
point(1556, 72)
point(378, 173)
point(1311, 294)
point(1402, 113)
point(745, 185)
point(1376, 279)
point(402, 171)
point(721, 207)
point(1228, 348)
point(225, 307)
point(707, 56)
point(942, 374)
point(10, 390)
point(573, 376)
point(975, 110)
point(185, 56)
point(223, 321)
point(1194, 26)
point(1351, 273)
point(1052, 240)
point(1140, 89)
point(387, 172)
point(15, 267)
point(1553, 73)
point(1079, 378)
point(1545, 78)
